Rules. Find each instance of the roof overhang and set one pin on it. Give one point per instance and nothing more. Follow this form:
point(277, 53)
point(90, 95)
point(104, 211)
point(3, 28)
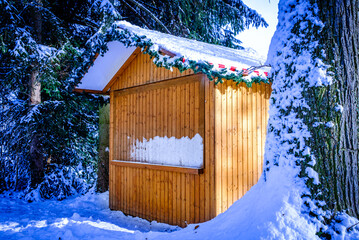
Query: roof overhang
point(169, 51)
point(99, 77)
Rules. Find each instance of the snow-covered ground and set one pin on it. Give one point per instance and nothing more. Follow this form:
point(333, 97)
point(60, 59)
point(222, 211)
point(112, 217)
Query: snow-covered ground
point(85, 217)
point(267, 211)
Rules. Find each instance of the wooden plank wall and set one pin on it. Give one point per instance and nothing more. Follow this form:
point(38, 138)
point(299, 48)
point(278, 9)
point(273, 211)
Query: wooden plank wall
point(235, 119)
point(241, 116)
point(142, 71)
point(168, 108)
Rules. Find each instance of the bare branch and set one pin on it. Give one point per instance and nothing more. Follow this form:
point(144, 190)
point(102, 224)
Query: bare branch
point(138, 14)
point(151, 14)
point(352, 226)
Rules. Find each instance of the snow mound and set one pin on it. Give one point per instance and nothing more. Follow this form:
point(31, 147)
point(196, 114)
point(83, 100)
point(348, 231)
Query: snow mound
point(270, 210)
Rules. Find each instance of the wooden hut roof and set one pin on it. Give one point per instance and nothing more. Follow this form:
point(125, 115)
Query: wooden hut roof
point(170, 51)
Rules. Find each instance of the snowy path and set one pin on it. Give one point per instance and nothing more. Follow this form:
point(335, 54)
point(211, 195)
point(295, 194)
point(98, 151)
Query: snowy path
point(86, 217)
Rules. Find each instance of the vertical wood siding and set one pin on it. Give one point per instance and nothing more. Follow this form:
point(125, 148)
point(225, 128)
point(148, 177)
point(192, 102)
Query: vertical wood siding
point(241, 116)
point(147, 101)
point(142, 71)
point(148, 111)
point(169, 108)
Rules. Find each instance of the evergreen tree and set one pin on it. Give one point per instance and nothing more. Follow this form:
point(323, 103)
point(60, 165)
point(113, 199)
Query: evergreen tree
point(48, 131)
point(212, 21)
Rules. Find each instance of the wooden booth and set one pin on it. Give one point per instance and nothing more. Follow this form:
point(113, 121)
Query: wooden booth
point(182, 149)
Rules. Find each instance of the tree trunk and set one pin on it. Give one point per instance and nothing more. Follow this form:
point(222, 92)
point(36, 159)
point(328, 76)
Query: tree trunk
point(35, 84)
point(36, 162)
point(342, 27)
point(35, 88)
point(35, 153)
point(103, 162)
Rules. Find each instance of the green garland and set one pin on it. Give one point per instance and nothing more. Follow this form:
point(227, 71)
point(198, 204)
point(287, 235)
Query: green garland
point(130, 39)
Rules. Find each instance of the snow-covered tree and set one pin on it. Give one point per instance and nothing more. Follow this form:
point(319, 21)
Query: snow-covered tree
point(313, 123)
point(48, 133)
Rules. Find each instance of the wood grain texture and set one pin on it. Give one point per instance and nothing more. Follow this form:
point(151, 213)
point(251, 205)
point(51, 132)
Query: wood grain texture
point(158, 167)
point(167, 108)
point(148, 101)
point(337, 150)
point(241, 115)
point(140, 70)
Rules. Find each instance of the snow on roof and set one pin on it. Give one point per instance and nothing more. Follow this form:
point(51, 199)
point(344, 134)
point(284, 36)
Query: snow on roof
point(106, 66)
point(198, 51)
point(217, 62)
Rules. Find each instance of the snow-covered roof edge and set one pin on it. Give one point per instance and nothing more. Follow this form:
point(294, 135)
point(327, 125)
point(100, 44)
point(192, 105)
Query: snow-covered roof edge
point(250, 75)
point(124, 32)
